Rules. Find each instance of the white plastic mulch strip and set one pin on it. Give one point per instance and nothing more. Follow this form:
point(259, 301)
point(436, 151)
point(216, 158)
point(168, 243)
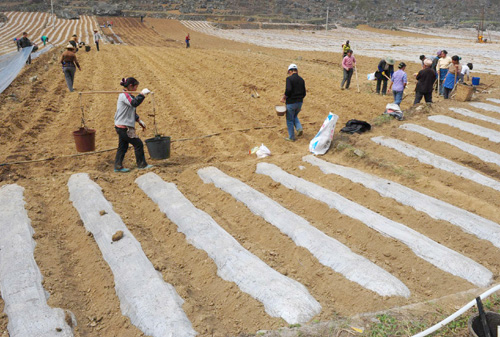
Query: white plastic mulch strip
point(468, 113)
point(494, 100)
point(485, 106)
point(427, 249)
point(9, 73)
point(41, 51)
point(151, 304)
point(477, 130)
point(435, 208)
point(281, 296)
point(439, 162)
point(20, 278)
point(327, 250)
point(485, 155)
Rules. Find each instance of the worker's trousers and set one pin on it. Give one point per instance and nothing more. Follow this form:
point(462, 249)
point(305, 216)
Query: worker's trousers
point(123, 141)
point(347, 78)
point(69, 75)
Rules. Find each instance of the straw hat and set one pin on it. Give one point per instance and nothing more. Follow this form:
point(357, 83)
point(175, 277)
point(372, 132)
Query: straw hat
point(428, 62)
point(389, 60)
point(70, 46)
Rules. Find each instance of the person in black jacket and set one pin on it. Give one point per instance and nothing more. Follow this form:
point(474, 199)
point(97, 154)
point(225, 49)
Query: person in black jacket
point(23, 43)
point(294, 95)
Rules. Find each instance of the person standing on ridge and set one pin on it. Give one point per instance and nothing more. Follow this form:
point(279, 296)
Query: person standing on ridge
point(348, 64)
point(25, 42)
point(452, 76)
point(399, 80)
point(425, 83)
point(97, 38)
point(442, 69)
point(383, 74)
point(125, 119)
point(295, 91)
point(69, 65)
point(187, 41)
point(345, 48)
point(74, 41)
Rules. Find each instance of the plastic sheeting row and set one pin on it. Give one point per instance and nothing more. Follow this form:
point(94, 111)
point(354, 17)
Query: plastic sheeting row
point(11, 65)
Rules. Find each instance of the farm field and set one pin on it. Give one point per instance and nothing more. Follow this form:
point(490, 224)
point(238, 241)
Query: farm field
point(205, 100)
point(406, 44)
point(37, 24)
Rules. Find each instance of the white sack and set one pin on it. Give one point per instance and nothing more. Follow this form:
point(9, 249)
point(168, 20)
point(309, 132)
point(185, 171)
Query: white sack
point(321, 142)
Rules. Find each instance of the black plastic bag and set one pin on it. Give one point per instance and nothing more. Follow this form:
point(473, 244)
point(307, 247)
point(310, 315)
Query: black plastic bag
point(355, 126)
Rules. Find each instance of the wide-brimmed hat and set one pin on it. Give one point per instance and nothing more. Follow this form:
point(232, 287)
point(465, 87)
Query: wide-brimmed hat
point(428, 62)
point(70, 46)
point(389, 60)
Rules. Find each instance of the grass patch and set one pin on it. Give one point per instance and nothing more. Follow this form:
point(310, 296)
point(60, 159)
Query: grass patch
point(382, 119)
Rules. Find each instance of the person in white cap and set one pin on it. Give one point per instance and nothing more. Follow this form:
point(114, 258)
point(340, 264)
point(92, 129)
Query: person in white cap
point(295, 92)
point(426, 79)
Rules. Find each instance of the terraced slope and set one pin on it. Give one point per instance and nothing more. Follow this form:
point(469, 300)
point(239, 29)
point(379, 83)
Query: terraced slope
point(204, 101)
point(38, 24)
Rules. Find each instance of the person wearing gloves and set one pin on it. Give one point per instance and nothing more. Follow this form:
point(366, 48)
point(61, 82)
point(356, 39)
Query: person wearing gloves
point(295, 92)
point(384, 73)
point(97, 37)
point(348, 64)
point(399, 80)
point(69, 65)
point(125, 119)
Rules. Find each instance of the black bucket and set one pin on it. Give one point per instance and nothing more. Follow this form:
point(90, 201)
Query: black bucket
point(158, 147)
point(87, 48)
point(476, 327)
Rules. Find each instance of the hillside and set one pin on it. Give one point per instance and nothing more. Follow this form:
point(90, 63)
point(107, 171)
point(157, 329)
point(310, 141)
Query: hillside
point(378, 13)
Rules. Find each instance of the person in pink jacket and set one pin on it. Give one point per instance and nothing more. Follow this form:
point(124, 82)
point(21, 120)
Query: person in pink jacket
point(348, 64)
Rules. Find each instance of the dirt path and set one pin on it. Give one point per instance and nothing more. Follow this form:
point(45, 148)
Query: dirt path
point(204, 90)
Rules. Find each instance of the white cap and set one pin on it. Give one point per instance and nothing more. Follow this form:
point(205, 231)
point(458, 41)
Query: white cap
point(292, 66)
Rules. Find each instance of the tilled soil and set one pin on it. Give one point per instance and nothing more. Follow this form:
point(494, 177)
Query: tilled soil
point(207, 91)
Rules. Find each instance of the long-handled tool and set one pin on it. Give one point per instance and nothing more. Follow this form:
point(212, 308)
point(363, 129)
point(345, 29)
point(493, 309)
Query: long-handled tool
point(439, 81)
point(482, 316)
point(357, 82)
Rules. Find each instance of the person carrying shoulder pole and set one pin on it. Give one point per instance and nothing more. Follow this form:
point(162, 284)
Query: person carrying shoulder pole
point(125, 119)
point(348, 64)
point(295, 92)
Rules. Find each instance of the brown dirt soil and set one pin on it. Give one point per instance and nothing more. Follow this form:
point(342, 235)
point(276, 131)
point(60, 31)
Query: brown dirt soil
point(207, 90)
